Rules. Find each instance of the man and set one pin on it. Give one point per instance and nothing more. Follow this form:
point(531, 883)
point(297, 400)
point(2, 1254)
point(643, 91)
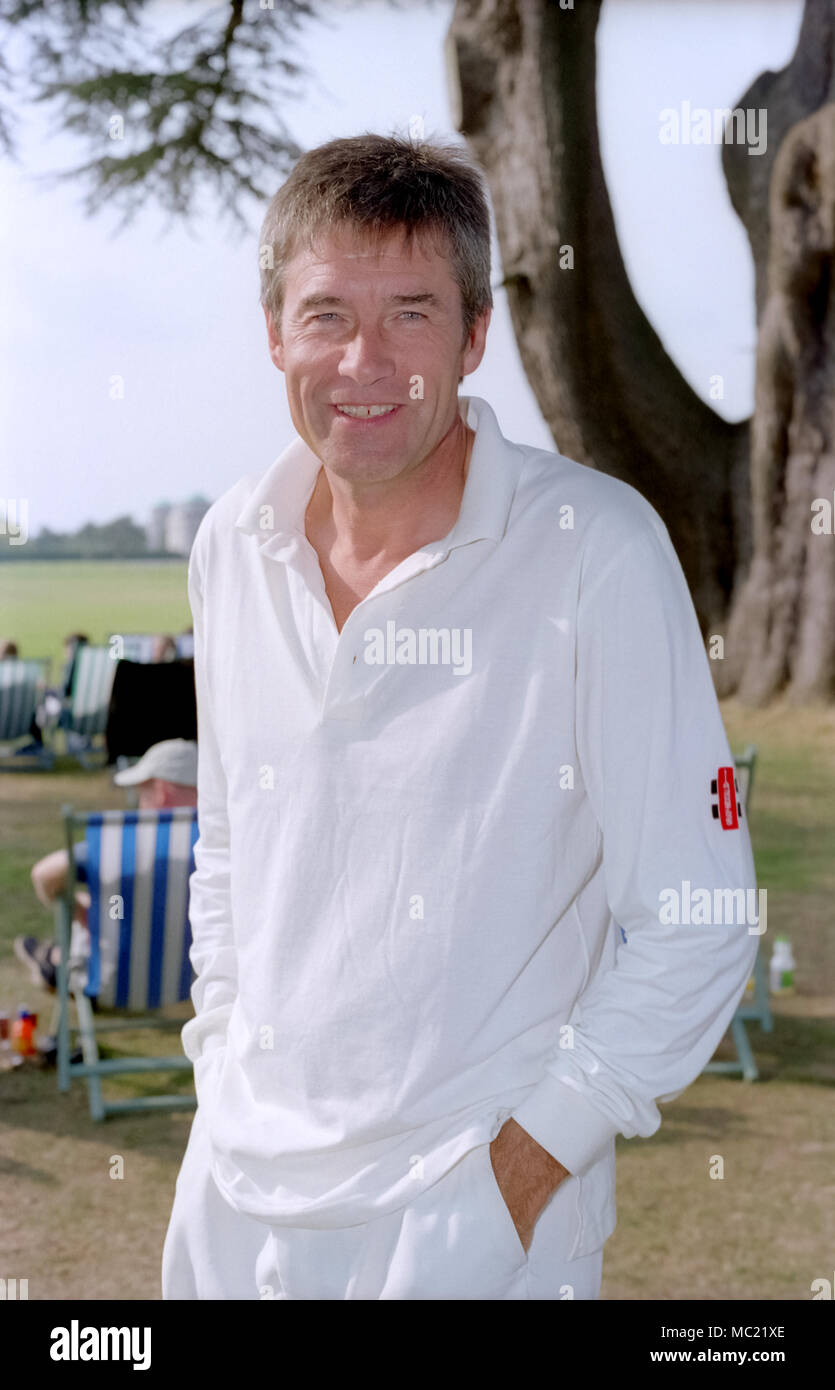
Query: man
point(165, 776)
point(457, 737)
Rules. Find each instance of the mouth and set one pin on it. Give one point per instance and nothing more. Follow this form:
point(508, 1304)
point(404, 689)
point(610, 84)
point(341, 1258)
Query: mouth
point(366, 414)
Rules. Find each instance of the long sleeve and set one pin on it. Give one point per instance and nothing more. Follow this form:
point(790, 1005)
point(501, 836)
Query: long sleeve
point(212, 951)
point(650, 742)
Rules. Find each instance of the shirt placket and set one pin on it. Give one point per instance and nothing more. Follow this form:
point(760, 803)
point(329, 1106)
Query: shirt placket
point(348, 676)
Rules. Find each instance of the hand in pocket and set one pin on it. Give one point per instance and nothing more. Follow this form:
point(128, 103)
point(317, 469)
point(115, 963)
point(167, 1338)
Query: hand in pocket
point(526, 1175)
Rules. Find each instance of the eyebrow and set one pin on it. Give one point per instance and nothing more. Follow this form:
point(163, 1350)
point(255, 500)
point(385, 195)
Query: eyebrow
point(318, 301)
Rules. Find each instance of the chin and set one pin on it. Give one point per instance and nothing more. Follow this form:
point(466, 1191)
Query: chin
point(363, 469)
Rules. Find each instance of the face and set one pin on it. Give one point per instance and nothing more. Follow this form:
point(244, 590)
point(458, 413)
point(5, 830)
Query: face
point(157, 795)
point(364, 326)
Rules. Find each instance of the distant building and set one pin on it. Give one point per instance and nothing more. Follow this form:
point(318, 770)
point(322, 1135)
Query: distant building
point(173, 526)
point(155, 530)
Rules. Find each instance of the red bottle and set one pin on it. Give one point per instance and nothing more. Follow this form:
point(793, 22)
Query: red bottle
point(23, 1033)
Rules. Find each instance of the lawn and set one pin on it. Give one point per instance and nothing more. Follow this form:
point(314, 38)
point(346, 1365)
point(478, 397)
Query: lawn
point(764, 1231)
point(44, 600)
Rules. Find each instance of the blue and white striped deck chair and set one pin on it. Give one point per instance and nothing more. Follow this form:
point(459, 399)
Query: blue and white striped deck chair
point(756, 1007)
point(86, 713)
point(21, 684)
point(138, 868)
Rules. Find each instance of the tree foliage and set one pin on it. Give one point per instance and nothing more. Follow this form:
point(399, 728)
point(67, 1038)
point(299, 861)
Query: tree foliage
point(163, 118)
point(114, 539)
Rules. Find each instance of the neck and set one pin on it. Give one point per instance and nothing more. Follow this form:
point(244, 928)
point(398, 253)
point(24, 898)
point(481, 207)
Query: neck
point(392, 518)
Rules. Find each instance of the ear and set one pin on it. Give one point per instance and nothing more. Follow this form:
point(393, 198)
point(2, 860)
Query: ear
point(276, 349)
point(475, 344)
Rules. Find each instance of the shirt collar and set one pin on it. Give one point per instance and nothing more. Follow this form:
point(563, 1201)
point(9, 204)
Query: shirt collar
point(275, 509)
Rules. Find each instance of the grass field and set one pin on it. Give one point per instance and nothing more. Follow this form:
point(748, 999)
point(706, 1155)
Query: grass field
point(45, 600)
point(763, 1232)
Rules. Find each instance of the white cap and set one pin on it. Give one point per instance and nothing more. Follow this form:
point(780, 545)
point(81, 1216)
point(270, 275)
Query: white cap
point(173, 760)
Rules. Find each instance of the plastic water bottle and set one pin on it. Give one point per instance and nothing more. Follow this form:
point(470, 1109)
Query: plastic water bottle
point(781, 969)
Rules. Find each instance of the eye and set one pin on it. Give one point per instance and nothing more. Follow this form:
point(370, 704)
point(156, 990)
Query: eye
point(412, 313)
point(326, 316)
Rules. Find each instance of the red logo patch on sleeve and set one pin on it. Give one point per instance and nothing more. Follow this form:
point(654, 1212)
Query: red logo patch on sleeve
point(727, 808)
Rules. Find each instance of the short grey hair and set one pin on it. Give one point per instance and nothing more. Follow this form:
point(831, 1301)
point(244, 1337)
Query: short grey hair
point(379, 184)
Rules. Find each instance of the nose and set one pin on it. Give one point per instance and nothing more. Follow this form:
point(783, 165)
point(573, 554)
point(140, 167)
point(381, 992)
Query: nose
point(366, 358)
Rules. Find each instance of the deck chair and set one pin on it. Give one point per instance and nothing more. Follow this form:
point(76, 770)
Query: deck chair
point(85, 716)
point(136, 646)
point(138, 868)
point(756, 1007)
point(21, 684)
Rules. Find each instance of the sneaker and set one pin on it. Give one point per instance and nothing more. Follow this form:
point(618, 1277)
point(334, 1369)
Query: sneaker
point(48, 1050)
point(37, 957)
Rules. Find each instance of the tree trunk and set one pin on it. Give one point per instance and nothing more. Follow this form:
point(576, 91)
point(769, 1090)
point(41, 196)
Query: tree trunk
point(606, 387)
point(781, 634)
point(523, 81)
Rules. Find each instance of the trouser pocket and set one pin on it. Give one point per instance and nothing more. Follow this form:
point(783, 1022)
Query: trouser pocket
point(457, 1240)
point(210, 1250)
point(503, 1218)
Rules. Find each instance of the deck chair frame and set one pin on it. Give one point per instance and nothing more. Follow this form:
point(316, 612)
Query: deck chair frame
point(72, 989)
point(758, 1009)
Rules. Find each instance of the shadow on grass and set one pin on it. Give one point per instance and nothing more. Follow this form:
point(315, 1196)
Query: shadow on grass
point(11, 1168)
point(798, 1049)
point(30, 1100)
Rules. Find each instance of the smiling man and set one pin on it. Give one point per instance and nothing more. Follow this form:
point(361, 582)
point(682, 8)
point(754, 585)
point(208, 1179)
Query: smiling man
point(433, 980)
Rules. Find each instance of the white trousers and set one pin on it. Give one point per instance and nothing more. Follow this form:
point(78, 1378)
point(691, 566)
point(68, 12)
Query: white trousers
point(455, 1240)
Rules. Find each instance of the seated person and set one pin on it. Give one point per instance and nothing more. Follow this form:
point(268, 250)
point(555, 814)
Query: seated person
point(53, 703)
point(71, 645)
point(165, 776)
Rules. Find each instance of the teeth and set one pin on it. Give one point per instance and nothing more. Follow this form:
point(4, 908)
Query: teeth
point(366, 412)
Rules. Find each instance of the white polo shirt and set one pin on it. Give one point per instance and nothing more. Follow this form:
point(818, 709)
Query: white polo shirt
point(461, 860)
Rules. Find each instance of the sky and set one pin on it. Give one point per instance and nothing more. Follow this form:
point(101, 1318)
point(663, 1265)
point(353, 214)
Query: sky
point(174, 312)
